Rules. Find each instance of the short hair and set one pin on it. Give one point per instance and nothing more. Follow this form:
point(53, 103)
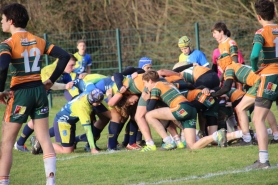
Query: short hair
point(72, 57)
point(17, 13)
point(150, 75)
point(81, 41)
point(220, 26)
point(265, 9)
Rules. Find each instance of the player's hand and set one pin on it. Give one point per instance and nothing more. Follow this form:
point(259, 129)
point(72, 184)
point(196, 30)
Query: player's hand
point(82, 75)
point(69, 85)
point(94, 151)
point(109, 92)
point(195, 64)
point(3, 97)
point(123, 89)
point(206, 91)
point(228, 104)
point(47, 84)
point(224, 96)
point(146, 95)
point(134, 75)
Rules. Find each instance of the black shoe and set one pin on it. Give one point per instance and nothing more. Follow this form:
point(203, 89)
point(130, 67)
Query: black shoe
point(258, 165)
point(253, 140)
point(241, 142)
point(36, 147)
point(142, 143)
point(88, 149)
point(273, 141)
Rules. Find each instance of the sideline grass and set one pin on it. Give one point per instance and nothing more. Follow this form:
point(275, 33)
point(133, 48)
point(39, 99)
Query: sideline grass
point(210, 165)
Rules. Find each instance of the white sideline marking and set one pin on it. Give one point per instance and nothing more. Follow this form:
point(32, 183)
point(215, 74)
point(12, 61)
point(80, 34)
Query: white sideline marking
point(209, 175)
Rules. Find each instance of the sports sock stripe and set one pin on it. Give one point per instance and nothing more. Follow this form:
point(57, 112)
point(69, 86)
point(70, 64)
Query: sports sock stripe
point(50, 155)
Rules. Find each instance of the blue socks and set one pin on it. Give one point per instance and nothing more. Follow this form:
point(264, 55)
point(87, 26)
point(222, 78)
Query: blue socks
point(82, 137)
point(113, 129)
point(27, 131)
point(126, 136)
point(51, 132)
point(132, 132)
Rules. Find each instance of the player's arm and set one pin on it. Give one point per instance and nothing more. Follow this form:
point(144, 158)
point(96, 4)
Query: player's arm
point(119, 77)
point(151, 103)
point(235, 58)
point(63, 58)
point(166, 72)
point(85, 120)
point(254, 57)
point(115, 99)
point(234, 52)
point(182, 68)
point(5, 60)
point(225, 89)
point(184, 85)
point(88, 69)
point(89, 64)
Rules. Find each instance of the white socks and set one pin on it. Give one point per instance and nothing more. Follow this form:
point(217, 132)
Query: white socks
point(50, 168)
point(150, 142)
point(168, 140)
point(263, 156)
point(4, 180)
point(246, 137)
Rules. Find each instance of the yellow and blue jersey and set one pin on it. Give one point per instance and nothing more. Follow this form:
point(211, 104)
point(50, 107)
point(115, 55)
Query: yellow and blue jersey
point(92, 81)
point(82, 62)
point(78, 108)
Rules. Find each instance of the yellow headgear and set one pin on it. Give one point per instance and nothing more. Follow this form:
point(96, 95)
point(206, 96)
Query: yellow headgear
point(184, 41)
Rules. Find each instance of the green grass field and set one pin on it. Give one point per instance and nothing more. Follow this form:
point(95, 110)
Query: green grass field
point(211, 165)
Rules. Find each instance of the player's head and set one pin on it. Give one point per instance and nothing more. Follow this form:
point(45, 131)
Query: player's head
point(95, 97)
point(16, 14)
point(223, 61)
point(185, 45)
point(123, 107)
point(81, 46)
point(70, 65)
point(150, 75)
point(220, 31)
point(265, 10)
point(145, 63)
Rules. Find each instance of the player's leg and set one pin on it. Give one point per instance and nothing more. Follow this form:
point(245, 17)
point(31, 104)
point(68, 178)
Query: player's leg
point(9, 134)
point(218, 137)
point(243, 120)
point(261, 110)
point(153, 117)
point(273, 125)
point(266, 94)
point(140, 119)
point(39, 115)
point(26, 133)
point(114, 125)
point(16, 113)
point(172, 129)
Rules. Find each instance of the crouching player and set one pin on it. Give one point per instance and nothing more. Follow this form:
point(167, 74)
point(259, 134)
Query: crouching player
point(178, 109)
point(79, 109)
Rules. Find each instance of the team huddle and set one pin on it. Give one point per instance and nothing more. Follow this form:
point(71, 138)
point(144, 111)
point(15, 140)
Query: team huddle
point(222, 96)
